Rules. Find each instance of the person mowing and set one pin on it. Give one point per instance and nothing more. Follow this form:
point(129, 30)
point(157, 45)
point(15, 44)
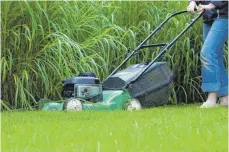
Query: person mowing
point(215, 35)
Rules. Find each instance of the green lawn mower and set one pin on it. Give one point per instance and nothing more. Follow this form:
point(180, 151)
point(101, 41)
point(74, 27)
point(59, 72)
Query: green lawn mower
point(138, 86)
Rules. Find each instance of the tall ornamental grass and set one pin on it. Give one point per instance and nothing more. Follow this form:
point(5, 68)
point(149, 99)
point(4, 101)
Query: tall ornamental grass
point(45, 42)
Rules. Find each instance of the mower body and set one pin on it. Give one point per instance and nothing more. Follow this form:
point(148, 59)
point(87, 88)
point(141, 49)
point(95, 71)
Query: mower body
point(115, 93)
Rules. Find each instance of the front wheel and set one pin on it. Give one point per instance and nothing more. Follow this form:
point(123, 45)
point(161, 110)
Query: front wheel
point(133, 104)
point(73, 105)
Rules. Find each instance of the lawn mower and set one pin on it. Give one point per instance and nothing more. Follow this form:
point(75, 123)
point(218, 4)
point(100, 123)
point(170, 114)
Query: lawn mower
point(138, 86)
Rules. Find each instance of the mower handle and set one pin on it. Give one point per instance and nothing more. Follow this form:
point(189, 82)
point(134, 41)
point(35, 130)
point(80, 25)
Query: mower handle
point(163, 50)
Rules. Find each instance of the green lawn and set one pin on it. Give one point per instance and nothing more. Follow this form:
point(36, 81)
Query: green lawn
point(176, 128)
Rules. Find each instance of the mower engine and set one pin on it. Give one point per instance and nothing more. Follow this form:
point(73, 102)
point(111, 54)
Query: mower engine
point(86, 86)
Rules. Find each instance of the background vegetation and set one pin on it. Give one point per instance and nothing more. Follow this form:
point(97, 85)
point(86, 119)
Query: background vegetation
point(45, 42)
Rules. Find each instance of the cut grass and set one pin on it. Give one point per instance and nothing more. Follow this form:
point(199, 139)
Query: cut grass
point(176, 128)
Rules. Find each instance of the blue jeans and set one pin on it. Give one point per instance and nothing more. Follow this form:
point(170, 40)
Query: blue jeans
point(214, 75)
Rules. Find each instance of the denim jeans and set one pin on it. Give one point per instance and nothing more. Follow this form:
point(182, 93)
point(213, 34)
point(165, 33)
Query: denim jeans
point(213, 71)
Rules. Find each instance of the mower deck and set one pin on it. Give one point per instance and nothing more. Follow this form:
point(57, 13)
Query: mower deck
point(112, 100)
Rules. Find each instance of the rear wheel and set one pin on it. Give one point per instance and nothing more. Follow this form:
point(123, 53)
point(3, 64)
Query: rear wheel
point(133, 104)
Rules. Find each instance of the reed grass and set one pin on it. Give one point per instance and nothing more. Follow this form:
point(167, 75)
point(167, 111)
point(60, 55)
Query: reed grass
point(44, 42)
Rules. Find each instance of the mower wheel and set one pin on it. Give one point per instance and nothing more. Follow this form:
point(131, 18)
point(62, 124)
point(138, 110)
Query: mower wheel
point(133, 104)
point(73, 104)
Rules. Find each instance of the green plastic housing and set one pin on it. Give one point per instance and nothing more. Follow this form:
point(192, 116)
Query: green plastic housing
point(112, 100)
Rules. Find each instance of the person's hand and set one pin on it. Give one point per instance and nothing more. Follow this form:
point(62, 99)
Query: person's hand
point(191, 7)
point(202, 8)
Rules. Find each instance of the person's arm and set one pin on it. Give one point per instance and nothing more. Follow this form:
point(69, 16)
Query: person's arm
point(212, 5)
point(219, 4)
point(201, 8)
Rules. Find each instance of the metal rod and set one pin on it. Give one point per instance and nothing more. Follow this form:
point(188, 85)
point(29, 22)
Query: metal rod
point(153, 45)
point(157, 29)
point(140, 45)
point(164, 49)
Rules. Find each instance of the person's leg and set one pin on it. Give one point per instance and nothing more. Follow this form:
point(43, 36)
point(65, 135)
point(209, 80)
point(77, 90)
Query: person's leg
point(206, 29)
point(224, 101)
point(211, 95)
point(213, 78)
point(223, 92)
